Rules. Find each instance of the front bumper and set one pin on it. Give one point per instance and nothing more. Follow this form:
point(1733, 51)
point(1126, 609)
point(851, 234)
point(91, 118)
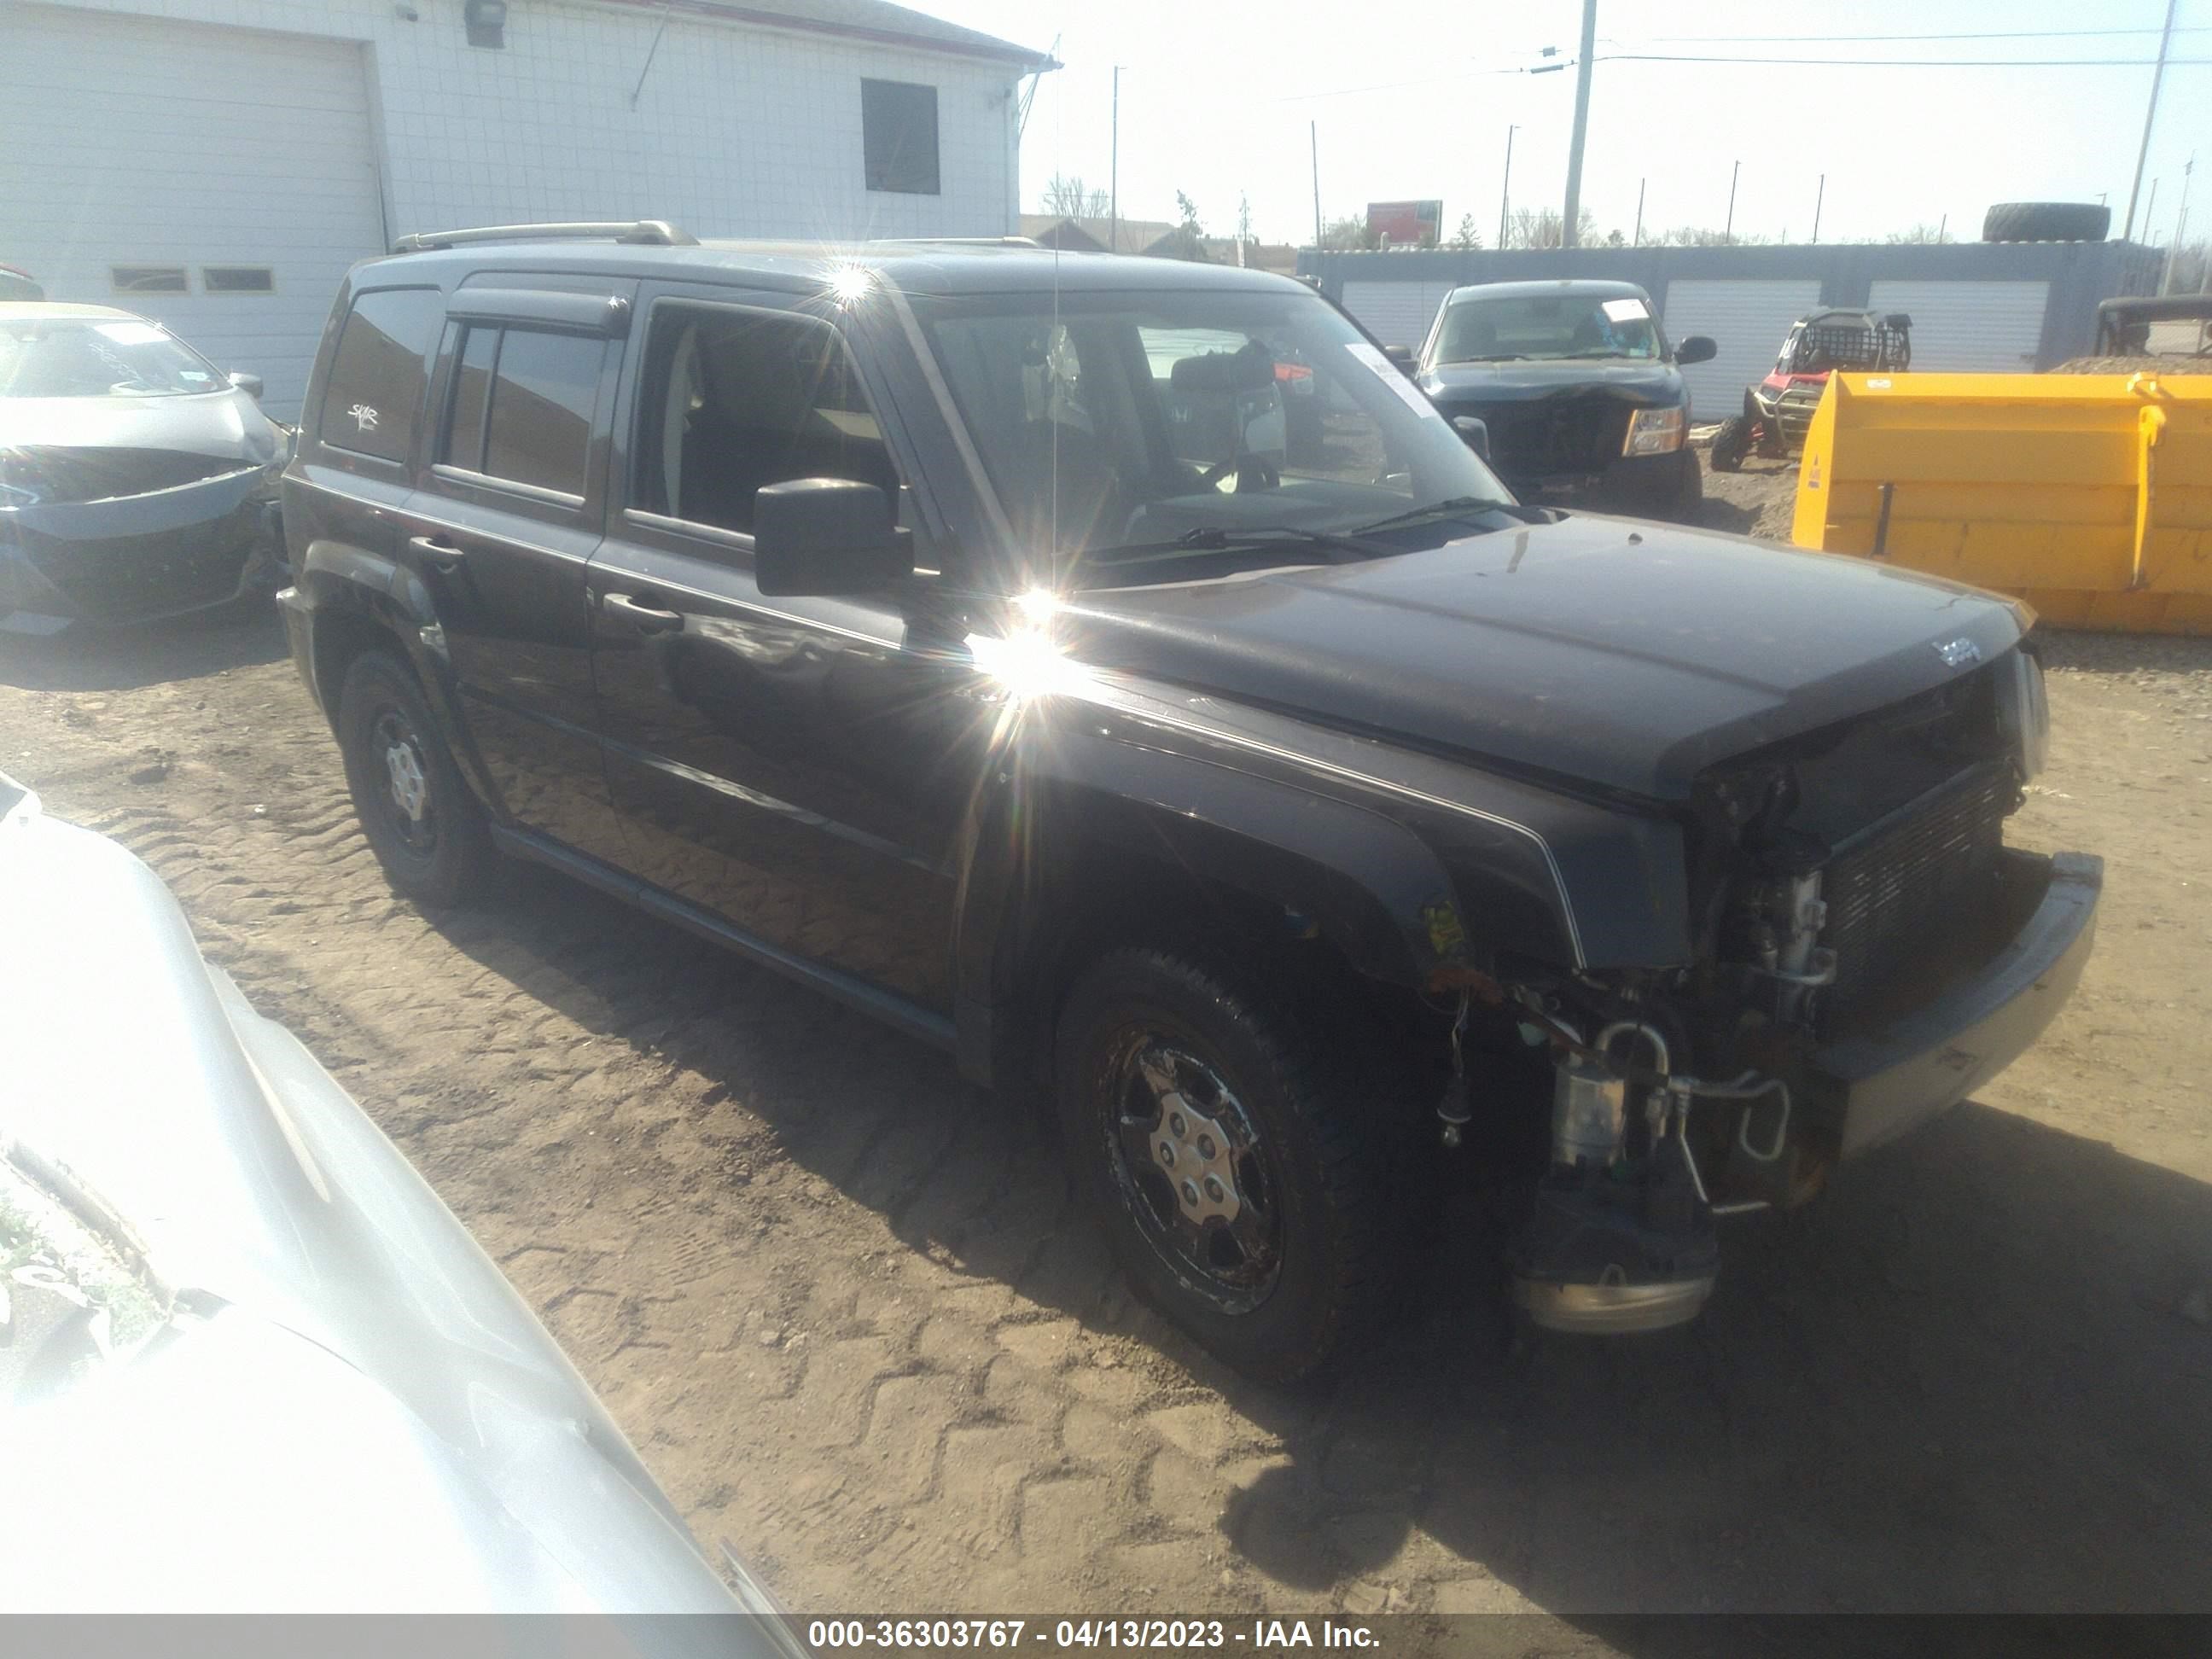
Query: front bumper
point(1873, 1087)
point(138, 558)
point(1627, 480)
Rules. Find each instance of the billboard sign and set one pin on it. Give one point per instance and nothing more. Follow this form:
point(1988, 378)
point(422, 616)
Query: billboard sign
point(1407, 224)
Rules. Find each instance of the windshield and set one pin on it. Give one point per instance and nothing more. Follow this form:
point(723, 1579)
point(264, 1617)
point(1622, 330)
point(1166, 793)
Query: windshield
point(98, 357)
point(1121, 421)
point(1546, 325)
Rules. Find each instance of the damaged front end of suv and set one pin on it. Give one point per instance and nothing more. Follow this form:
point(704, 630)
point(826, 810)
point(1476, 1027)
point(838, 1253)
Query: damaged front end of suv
point(1865, 951)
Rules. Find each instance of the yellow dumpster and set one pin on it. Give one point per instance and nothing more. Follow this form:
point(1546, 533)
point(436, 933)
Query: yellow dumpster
point(2088, 496)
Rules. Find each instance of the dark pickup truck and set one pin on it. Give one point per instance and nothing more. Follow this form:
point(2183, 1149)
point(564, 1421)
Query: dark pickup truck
point(967, 632)
point(1578, 388)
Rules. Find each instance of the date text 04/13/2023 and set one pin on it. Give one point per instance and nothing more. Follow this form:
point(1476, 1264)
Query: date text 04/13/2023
point(1260, 1635)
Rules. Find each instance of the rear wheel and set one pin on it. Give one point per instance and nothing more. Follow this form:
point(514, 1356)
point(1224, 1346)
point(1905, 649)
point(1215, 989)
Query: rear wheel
point(1244, 1191)
point(1731, 444)
point(424, 826)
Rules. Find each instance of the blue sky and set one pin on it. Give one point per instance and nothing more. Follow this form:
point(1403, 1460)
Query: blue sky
point(1215, 96)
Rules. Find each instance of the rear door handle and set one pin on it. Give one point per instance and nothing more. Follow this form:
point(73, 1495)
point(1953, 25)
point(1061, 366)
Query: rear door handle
point(437, 552)
point(643, 617)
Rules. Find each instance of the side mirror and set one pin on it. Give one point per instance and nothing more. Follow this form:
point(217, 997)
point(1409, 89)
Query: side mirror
point(1475, 431)
point(249, 384)
point(814, 538)
point(1401, 356)
point(1698, 349)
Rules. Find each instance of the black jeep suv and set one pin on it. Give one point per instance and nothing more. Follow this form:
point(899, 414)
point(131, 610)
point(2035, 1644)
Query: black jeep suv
point(1578, 387)
point(957, 630)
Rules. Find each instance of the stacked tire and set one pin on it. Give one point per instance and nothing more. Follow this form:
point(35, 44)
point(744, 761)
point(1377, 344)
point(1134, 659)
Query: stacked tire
point(2047, 222)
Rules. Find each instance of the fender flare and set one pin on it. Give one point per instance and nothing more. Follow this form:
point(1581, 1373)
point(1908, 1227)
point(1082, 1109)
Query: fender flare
point(1364, 881)
point(337, 579)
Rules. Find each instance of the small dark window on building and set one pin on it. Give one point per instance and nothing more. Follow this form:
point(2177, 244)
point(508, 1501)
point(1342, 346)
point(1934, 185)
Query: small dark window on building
point(898, 134)
point(537, 427)
point(375, 390)
point(150, 279)
point(238, 279)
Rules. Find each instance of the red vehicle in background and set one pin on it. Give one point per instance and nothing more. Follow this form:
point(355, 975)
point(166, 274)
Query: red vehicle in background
point(1779, 409)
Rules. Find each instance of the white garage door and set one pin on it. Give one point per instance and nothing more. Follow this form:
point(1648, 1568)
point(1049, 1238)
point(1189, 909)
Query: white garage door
point(1969, 328)
point(1396, 313)
point(134, 150)
point(1746, 320)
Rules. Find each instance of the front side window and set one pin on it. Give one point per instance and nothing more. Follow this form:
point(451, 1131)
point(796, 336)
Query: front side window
point(731, 400)
point(99, 357)
point(521, 406)
point(1546, 325)
point(898, 133)
point(377, 374)
point(1113, 422)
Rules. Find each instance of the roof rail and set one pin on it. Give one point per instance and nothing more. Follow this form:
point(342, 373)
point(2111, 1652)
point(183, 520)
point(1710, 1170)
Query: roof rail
point(955, 242)
point(656, 231)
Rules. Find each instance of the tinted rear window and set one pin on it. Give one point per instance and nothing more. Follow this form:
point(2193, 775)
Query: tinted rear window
point(539, 425)
point(377, 374)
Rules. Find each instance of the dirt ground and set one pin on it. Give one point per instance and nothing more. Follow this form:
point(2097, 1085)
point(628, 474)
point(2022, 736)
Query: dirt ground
point(845, 1310)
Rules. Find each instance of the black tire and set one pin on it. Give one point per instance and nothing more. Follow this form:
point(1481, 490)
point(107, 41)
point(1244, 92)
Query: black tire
point(1731, 444)
point(439, 853)
point(1690, 499)
point(1308, 1261)
point(2047, 222)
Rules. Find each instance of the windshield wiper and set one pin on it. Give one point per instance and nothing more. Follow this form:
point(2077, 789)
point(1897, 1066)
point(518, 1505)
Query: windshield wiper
point(1216, 538)
point(1491, 358)
point(1452, 507)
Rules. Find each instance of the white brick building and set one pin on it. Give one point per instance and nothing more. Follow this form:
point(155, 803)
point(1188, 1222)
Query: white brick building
point(217, 164)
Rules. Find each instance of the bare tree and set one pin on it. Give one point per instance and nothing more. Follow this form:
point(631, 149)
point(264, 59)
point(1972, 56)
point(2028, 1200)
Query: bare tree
point(1188, 211)
point(1347, 233)
point(1541, 227)
point(1466, 236)
point(1922, 231)
point(1071, 198)
point(1703, 236)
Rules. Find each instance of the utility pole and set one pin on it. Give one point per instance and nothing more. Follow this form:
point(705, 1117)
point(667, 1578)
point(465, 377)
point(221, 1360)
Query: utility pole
point(1943, 227)
point(2180, 227)
point(1571, 220)
point(2149, 208)
point(1506, 190)
point(1114, 172)
point(1819, 197)
point(1312, 138)
point(1728, 231)
point(2150, 115)
point(1637, 241)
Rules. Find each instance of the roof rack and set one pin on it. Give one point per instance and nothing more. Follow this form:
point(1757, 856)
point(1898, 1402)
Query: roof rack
point(655, 232)
point(954, 241)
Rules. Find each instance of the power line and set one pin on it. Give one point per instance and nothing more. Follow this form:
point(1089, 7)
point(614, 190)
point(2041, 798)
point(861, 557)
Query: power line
point(1902, 62)
point(1988, 35)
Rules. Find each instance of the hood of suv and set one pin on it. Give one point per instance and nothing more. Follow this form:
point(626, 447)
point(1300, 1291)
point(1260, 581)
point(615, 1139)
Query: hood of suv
point(1636, 380)
point(1608, 652)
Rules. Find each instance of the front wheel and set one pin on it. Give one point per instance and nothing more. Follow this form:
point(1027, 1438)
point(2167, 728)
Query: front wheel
point(423, 823)
point(1244, 1194)
point(1689, 503)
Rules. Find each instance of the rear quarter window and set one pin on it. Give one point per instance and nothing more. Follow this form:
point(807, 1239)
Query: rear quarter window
point(378, 373)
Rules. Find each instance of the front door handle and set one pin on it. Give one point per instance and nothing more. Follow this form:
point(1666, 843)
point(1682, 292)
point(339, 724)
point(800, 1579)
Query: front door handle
point(645, 618)
point(436, 552)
